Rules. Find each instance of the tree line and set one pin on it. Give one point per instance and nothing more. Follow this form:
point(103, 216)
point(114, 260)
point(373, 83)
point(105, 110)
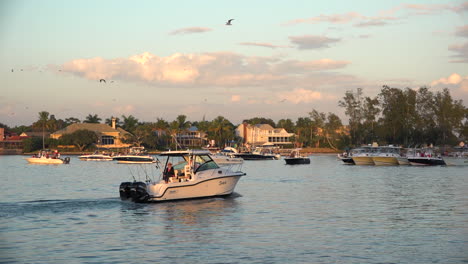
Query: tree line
point(395, 116)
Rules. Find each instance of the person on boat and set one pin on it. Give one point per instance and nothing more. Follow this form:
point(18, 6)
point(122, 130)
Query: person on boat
point(168, 172)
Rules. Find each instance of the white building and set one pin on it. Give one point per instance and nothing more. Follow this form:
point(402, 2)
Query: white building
point(263, 133)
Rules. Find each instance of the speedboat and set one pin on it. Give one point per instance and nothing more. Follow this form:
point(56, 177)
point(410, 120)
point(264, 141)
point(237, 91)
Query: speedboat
point(259, 153)
point(136, 155)
point(196, 175)
point(424, 157)
point(223, 160)
point(96, 156)
point(457, 157)
point(362, 156)
point(346, 158)
point(386, 156)
point(295, 157)
point(47, 157)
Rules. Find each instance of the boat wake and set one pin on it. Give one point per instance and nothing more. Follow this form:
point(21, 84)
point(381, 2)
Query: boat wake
point(37, 207)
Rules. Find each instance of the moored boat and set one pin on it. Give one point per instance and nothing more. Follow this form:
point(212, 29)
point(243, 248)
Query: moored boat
point(96, 156)
point(48, 157)
point(295, 157)
point(136, 155)
point(424, 157)
point(386, 155)
point(196, 176)
point(362, 156)
point(260, 153)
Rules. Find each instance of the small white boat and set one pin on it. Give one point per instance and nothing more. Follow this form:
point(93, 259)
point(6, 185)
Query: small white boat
point(223, 160)
point(457, 157)
point(48, 157)
point(136, 155)
point(96, 156)
point(196, 175)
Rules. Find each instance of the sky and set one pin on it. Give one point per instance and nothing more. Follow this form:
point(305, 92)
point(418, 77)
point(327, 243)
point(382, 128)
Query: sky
point(278, 59)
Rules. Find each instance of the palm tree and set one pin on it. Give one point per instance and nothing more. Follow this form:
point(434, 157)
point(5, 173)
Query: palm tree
point(42, 122)
point(130, 123)
point(92, 119)
point(222, 130)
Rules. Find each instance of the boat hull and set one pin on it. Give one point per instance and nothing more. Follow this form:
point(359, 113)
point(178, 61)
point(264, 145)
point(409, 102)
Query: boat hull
point(250, 156)
point(403, 161)
point(365, 160)
point(456, 161)
point(385, 161)
point(48, 161)
point(134, 159)
point(180, 190)
point(95, 158)
point(294, 161)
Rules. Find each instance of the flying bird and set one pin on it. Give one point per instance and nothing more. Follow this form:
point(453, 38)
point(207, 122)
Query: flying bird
point(228, 23)
point(102, 80)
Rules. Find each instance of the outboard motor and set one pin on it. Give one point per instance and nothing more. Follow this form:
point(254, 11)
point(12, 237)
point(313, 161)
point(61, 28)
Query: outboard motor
point(135, 191)
point(66, 160)
point(124, 190)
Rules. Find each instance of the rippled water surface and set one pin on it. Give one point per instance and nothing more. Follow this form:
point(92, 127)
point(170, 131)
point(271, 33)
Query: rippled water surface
point(324, 212)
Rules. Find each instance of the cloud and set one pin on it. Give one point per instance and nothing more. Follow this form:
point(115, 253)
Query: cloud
point(455, 78)
point(189, 30)
point(295, 66)
point(297, 96)
point(462, 31)
point(456, 82)
point(334, 19)
point(371, 23)
point(235, 98)
point(221, 69)
point(383, 16)
point(266, 45)
point(462, 52)
point(313, 41)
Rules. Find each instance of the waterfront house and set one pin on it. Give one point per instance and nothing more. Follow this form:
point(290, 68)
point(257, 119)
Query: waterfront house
point(108, 136)
point(261, 134)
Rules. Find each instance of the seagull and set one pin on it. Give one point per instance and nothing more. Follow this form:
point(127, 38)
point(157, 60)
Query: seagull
point(102, 80)
point(228, 23)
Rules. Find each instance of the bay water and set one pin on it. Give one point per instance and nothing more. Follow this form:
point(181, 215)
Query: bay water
point(323, 212)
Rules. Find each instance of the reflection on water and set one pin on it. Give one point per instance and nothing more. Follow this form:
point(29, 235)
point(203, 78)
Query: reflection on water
point(324, 212)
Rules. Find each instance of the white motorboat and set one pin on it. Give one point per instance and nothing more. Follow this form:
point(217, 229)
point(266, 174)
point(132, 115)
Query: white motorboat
point(386, 156)
point(136, 155)
point(96, 156)
point(223, 160)
point(196, 175)
point(362, 156)
point(457, 157)
point(48, 157)
point(295, 157)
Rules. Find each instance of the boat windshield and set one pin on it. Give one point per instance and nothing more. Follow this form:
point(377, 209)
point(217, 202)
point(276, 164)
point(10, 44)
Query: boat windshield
point(206, 163)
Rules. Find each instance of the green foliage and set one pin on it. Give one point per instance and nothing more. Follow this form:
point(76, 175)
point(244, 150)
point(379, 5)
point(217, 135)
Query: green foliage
point(82, 139)
point(92, 119)
point(405, 117)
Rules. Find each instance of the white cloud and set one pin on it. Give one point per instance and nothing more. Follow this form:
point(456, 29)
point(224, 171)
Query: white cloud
point(222, 69)
point(297, 96)
point(189, 30)
point(313, 41)
point(265, 45)
point(455, 82)
point(454, 78)
point(235, 98)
